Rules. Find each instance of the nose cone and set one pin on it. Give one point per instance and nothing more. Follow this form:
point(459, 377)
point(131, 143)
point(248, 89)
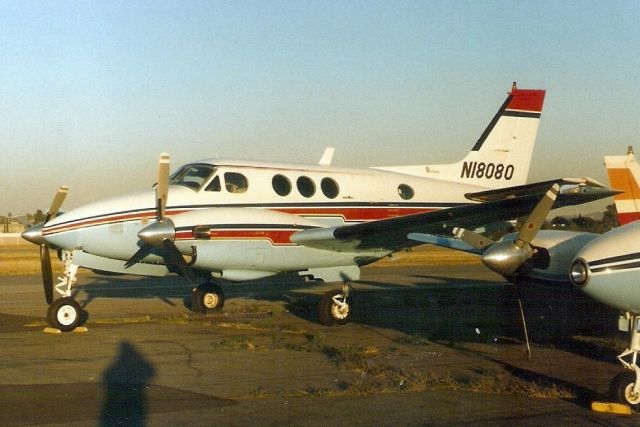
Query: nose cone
point(505, 257)
point(34, 235)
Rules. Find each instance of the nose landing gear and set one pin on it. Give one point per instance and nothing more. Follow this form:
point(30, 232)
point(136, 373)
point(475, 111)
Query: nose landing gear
point(625, 387)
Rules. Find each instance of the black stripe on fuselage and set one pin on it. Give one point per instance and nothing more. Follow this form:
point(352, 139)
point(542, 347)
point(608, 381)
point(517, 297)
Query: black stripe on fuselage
point(626, 266)
point(274, 206)
point(619, 258)
point(247, 227)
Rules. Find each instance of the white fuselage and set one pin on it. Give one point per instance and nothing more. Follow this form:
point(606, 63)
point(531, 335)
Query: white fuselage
point(241, 216)
point(613, 263)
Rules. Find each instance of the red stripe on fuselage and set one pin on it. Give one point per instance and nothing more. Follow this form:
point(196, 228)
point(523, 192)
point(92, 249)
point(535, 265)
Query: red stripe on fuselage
point(276, 237)
point(107, 219)
point(348, 214)
point(355, 214)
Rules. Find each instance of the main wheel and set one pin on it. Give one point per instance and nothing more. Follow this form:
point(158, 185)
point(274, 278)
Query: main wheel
point(64, 314)
point(332, 313)
point(207, 298)
point(622, 388)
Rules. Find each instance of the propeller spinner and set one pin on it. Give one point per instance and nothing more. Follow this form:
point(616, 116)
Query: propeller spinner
point(506, 257)
point(34, 235)
point(161, 233)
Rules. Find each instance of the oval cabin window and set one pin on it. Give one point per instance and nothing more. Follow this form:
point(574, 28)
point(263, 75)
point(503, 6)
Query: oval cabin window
point(329, 188)
point(405, 192)
point(306, 187)
point(281, 185)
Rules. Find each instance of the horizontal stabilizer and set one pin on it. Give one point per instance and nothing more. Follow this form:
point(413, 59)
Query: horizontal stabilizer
point(539, 187)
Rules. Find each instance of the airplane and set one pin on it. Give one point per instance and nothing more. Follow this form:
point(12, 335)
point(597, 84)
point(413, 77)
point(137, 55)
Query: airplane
point(246, 220)
point(604, 266)
point(608, 268)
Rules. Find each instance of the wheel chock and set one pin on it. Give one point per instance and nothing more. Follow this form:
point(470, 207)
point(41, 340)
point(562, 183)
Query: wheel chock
point(611, 408)
point(55, 331)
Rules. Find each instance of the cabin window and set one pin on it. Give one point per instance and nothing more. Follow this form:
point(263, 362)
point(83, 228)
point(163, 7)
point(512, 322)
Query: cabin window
point(192, 176)
point(214, 185)
point(235, 182)
point(281, 185)
point(329, 188)
point(405, 192)
point(306, 187)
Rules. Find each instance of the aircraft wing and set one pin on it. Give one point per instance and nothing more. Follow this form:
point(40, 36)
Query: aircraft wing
point(393, 234)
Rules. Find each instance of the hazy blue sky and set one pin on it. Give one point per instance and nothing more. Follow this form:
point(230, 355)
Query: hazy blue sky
point(92, 92)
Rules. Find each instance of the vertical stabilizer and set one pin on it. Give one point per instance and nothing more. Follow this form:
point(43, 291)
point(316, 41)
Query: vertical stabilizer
point(502, 155)
point(624, 173)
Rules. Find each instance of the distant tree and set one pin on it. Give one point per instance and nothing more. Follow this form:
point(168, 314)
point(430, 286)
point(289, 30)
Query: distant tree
point(38, 216)
point(610, 218)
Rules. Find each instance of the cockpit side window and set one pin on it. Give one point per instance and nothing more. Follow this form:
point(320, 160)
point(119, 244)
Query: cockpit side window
point(192, 176)
point(235, 182)
point(214, 185)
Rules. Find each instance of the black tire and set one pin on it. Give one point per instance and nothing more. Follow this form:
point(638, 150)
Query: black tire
point(207, 298)
point(64, 314)
point(622, 387)
point(332, 314)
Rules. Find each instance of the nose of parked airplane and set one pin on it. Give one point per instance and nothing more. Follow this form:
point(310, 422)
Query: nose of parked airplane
point(608, 268)
point(34, 234)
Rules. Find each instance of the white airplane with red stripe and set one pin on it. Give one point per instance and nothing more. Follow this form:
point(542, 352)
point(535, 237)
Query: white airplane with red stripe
point(246, 220)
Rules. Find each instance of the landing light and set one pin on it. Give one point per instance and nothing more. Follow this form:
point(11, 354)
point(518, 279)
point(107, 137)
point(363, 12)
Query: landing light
point(579, 273)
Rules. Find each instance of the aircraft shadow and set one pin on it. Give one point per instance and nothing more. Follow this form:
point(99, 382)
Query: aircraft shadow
point(431, 307)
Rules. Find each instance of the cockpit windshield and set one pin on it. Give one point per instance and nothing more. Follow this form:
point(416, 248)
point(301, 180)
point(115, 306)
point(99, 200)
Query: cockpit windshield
point(192, 176)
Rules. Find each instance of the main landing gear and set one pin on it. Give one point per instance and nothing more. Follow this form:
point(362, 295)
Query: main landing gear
point(625, 387)
point(336, 306)
point(207, 298)
point(65, 313)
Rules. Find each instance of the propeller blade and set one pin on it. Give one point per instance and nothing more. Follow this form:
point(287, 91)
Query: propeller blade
point(536, 218)
point(140, 254)
point(162, 188)
point(47, 275)
point(472, 238)
point(174, 257)
point(56, 202)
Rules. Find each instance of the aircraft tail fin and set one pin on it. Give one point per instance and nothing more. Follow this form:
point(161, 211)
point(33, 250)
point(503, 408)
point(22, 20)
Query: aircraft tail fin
point(502, 155)
point(624, 175)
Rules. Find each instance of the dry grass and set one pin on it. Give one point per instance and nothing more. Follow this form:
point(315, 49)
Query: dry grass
point(24, 260)
point(428, 255)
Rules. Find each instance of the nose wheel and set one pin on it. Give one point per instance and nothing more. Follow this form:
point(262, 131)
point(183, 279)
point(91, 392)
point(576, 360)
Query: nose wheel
point(64, 314)
point(625, 387)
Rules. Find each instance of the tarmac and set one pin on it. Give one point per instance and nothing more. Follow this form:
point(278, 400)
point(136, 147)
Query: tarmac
point(435, 345)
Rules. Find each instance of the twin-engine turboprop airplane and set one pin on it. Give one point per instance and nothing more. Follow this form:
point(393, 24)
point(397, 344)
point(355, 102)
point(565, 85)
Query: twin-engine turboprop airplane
point(240, 220)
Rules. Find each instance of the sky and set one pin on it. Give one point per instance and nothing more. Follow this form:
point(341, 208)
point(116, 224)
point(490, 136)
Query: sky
point(91, 92)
